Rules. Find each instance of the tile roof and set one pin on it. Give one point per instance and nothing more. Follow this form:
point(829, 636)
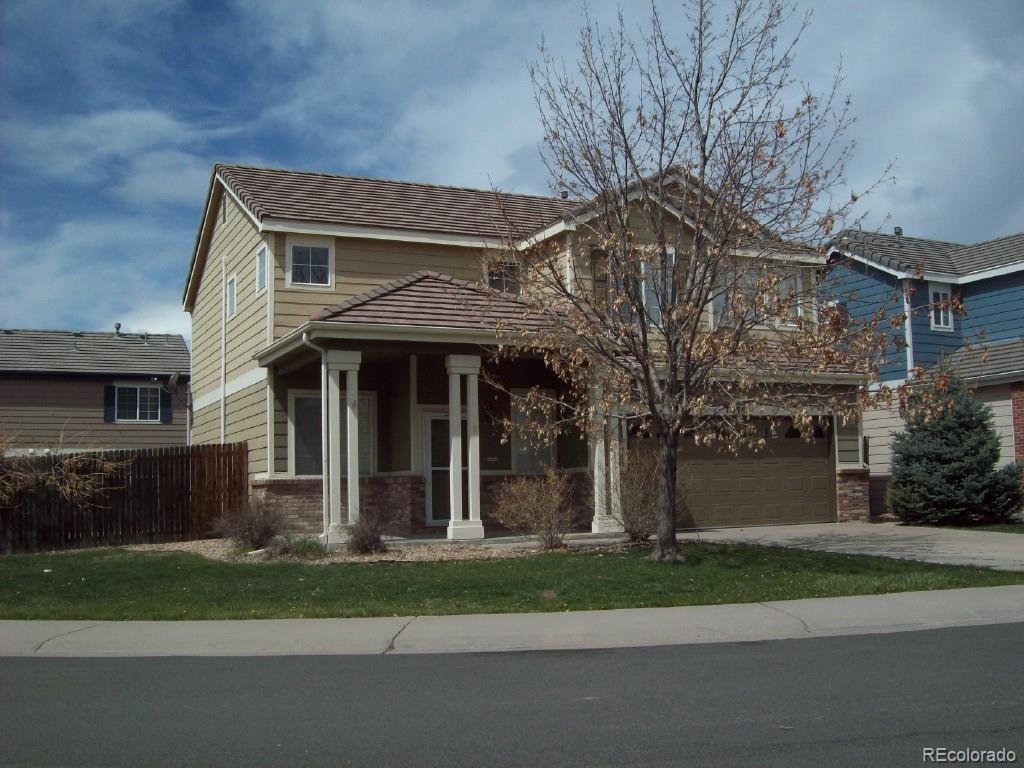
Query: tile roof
point(433, 300)
point(93, 352)
point(329, 198)
point(910, 254)
point(997, 358)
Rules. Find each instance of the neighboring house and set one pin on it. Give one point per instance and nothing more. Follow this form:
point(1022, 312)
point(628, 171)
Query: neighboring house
point(75, 390)
point(339, 326)
point(966, 304)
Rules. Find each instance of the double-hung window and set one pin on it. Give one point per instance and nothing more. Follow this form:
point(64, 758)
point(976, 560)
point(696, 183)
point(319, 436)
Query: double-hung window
point(304, 435)
point(657, 274)
point(942, 308)
point(528, 456)
point(310, 265)
point(137, 404)
point(504, 276)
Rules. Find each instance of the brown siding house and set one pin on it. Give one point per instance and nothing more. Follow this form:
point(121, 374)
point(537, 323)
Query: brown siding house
point(75, 390)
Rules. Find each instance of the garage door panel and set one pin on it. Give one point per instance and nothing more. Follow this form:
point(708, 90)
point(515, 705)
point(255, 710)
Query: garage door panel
point(790, 482)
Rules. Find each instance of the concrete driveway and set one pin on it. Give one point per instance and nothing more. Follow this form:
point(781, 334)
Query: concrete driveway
point(949, 546)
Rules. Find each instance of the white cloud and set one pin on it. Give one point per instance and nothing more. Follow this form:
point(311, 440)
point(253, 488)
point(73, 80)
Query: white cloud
point(88, 273)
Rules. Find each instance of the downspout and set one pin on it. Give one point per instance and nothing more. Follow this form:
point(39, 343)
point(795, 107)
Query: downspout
point(908, 331)
point(323, 426)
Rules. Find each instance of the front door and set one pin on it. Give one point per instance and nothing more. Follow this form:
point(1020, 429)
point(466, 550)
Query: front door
point(436, 467)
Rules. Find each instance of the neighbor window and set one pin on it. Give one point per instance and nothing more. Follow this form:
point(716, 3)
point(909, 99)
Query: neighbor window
point(504, 276)
point(137, 403)
point(311, 265)
point(261, 270)
point(229, 297)
point(942, 309)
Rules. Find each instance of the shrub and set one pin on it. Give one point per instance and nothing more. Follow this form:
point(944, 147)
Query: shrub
point(252, 525)
point(944, 463)
point(301, 547)
point(539, 506)
point(639, 482)
point(366, 537)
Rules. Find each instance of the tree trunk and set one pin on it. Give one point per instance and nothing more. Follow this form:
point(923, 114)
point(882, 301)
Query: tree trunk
point(666, 547)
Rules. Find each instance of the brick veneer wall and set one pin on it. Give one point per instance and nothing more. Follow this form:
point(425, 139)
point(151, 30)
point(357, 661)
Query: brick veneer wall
point(299, 500)
point(853, 495)
point(1017, 404)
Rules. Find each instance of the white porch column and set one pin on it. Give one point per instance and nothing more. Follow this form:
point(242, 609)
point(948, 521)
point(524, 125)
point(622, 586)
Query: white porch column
point(459, 365)
point(615, 470)
point(271, 407)
point(352, 440)
point(338, 361)
point(597, 525)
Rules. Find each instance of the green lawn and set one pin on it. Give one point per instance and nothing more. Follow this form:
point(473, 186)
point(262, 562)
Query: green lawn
point(116, 584)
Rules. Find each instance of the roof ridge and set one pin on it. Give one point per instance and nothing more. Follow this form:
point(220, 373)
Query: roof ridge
point(551, 198)
point(123, 334)
point(992, 240)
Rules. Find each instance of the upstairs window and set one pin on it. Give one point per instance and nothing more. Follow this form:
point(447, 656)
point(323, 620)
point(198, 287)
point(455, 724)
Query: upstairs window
point(311, 265)
point(137, 404)
point(229, 298)
point(656, 283)
point(261, 271)
point(942, 308)
point(504, 276)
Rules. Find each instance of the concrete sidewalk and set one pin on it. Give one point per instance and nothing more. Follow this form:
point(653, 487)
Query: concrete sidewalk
point(518, 632)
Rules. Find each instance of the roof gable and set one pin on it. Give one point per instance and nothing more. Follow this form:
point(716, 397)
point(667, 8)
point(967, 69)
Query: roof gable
point(914, 256)
point(93, 352)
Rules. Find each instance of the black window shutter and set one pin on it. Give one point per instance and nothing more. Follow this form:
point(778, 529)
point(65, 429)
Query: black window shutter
point(109, 399)
point(165, 406)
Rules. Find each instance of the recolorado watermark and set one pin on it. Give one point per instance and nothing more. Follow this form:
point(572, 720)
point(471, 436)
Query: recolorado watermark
point(1002, 756)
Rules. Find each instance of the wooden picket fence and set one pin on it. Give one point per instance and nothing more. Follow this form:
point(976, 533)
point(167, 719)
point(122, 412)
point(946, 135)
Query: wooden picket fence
point(161, 494)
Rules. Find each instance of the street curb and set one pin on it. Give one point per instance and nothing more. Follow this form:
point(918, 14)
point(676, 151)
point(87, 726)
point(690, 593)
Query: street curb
point(478, 633)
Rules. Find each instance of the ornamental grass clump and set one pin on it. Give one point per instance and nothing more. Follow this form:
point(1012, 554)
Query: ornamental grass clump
point(538, 506)
point(251, 525)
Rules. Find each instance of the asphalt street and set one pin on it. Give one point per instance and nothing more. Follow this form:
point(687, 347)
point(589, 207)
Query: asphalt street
point(837, 701)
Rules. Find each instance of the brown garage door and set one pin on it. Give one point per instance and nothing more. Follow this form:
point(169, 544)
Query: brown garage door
point(791, 481)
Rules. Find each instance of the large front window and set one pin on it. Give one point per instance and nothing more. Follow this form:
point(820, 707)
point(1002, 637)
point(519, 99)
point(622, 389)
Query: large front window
point(138, 404)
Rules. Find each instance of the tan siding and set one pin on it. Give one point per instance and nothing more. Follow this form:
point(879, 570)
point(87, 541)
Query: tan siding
point(361, 265)
point(246, 421)
point(998, 399)
point(38, 412)
point(206, 425)
point(881, 425)
point(235, 241)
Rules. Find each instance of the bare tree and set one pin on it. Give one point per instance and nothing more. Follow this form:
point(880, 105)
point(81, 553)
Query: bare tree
point(686, 297)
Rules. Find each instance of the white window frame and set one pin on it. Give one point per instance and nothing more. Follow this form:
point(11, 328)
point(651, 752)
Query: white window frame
point(231, 297)
point(504, 263)
point(261, 260)
point(119, 385)
point(315, 241)
point(648, 274)
point(944, 312)
point(515, 440)
point(315, 394)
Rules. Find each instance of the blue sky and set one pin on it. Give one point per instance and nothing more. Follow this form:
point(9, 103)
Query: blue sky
point(112, 113)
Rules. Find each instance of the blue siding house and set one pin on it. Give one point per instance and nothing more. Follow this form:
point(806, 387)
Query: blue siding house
point(965, 304)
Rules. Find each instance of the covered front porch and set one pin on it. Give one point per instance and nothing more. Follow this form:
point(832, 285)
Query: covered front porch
point(419, 415)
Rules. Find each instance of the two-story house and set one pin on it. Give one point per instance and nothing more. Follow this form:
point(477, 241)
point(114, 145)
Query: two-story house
point(340, 326)
point(965, 304)
point(90, 390)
